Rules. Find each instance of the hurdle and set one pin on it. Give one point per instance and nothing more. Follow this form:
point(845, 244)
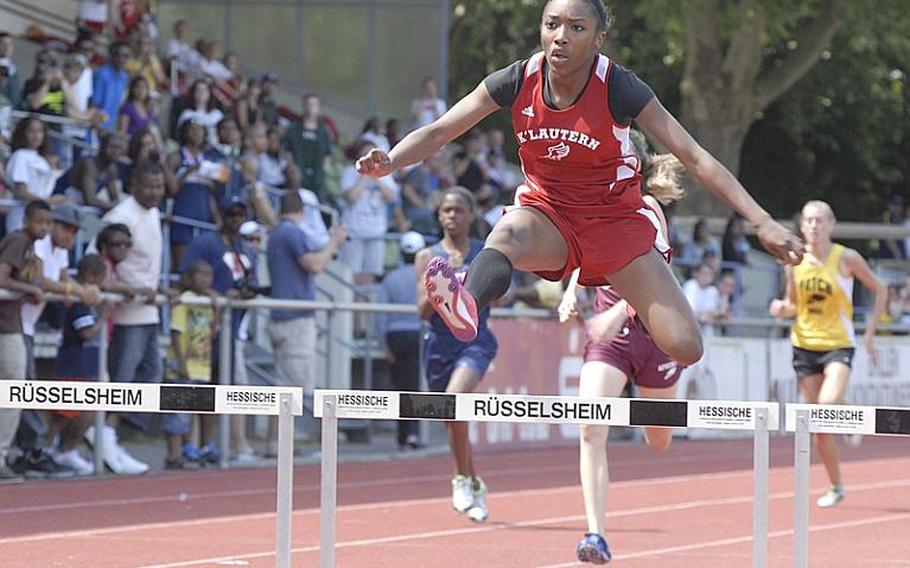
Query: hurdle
point(808, 419)
point(330, 405)
point(285, 402)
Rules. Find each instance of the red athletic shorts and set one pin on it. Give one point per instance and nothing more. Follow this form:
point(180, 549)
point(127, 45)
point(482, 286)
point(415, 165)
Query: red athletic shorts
point(599, 245)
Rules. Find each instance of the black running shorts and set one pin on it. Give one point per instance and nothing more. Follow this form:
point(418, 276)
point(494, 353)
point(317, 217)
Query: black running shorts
point(807, 362)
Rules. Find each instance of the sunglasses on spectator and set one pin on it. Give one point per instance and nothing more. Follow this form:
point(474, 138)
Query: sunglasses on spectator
point(126, 244)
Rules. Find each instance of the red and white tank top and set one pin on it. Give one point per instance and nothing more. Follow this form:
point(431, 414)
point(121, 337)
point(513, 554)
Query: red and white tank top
point(579, 158)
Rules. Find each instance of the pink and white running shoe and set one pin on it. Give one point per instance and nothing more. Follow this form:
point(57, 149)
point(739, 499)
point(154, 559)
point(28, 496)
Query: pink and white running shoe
point(452, 302)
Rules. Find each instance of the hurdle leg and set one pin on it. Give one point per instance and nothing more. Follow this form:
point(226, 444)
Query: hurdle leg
point(285, 480)
point(760, 504)
point(802, 451)
point(225, 377)
point(100, 416)
point(328, 483)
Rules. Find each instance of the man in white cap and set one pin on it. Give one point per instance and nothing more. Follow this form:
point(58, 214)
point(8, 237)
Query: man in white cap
point(401, 332)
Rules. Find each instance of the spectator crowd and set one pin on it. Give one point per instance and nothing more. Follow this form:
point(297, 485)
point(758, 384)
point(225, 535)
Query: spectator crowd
point(176, 172)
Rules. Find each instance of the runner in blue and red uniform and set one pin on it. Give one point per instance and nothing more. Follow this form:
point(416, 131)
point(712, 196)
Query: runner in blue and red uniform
point(571, 111)
point(451, 365)
point(618, 350)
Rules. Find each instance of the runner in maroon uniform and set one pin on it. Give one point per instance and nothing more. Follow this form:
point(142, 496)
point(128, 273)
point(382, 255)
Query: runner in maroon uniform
point(618, 350)
point(571, 109)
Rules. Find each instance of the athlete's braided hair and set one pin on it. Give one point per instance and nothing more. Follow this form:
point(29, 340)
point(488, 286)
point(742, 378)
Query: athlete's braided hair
point(604, 17)
point(603, 13)
point(660, 172)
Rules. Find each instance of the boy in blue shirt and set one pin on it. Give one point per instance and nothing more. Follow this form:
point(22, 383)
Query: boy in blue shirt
point(78, 360)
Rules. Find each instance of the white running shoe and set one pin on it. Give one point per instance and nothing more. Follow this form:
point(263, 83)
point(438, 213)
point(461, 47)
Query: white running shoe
point(462, 493)
point(130, 465)
point(114, 456)
point(75, 461)
point(478, 511)
point(853, 440)
point(830, 499)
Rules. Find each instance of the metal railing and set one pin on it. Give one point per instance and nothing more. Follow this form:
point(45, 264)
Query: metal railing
point(330, 308)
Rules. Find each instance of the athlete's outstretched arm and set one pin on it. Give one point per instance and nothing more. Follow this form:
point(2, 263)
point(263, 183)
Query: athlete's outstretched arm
point(658, 122)
point(568, 306)
point(425, 141)
point(786, 307)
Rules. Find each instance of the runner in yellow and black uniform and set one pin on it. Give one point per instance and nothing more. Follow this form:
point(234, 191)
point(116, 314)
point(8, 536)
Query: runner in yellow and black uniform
point(820, 297)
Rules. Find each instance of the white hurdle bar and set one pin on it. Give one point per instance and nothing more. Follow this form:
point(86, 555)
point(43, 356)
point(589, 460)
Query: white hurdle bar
point(330, 405)
point(284, 402)
point(808, 419)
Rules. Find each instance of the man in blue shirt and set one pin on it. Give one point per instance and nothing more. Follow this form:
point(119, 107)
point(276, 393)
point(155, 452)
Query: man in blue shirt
point(401, 332)
point(109, 84)
point(293, 265)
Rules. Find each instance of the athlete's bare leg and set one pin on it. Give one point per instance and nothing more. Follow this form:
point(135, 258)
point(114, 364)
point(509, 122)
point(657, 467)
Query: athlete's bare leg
point(827, 389)
point(464, 379)
point(597, 379)
point(650, 287)
point(530, 240)
point(658, 439)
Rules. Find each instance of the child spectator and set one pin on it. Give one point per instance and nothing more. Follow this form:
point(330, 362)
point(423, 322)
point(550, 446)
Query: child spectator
point(17, 268)
point(193, 330)
point(114, 243)
point(78, 360)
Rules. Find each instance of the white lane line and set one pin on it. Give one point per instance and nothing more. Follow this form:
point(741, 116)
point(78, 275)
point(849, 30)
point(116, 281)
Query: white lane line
point(364, 507)
point(698, 504)
point(198, 496)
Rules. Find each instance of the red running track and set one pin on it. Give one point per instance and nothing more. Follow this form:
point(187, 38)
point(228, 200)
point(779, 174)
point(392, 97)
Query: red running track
point(691, 506)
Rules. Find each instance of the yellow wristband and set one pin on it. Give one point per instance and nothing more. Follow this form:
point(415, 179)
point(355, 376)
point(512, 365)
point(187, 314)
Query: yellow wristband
point(69, 288)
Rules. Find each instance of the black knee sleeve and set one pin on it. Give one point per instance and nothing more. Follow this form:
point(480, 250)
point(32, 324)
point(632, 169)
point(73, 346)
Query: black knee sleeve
point(489, 277)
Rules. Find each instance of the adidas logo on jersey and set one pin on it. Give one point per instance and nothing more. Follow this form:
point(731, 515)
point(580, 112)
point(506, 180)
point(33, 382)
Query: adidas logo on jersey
point(528, 111)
